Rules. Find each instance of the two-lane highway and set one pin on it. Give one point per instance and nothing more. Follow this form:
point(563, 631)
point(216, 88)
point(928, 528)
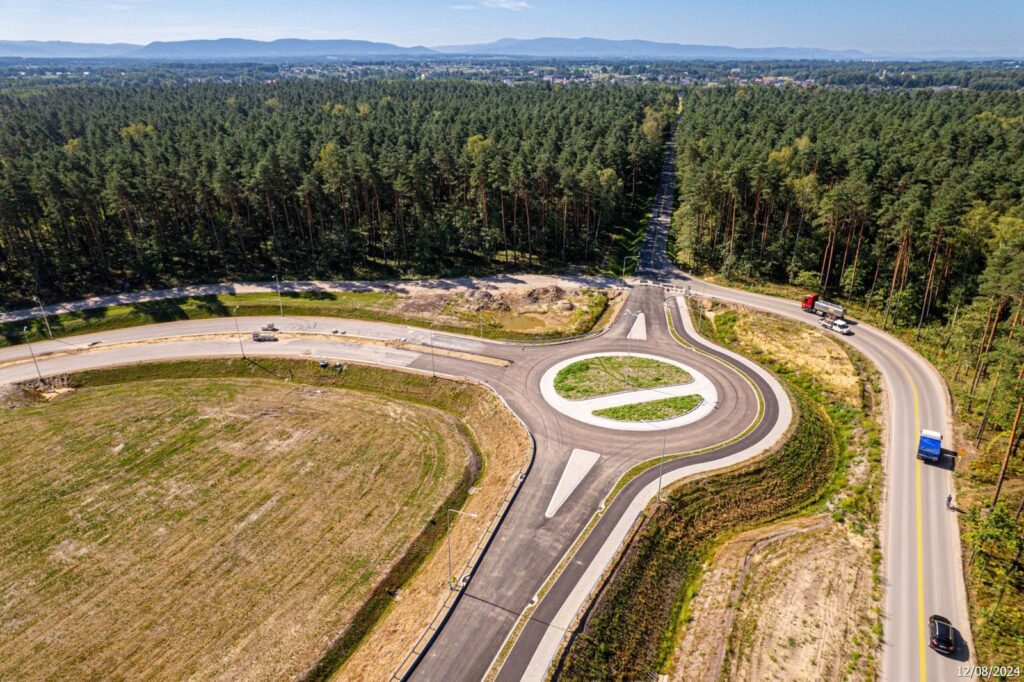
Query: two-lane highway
point(923, 571)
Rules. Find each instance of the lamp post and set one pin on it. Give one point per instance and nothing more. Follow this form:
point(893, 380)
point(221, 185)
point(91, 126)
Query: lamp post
point(433, 370)
point(46, 320)
point(635, 314)
point(32, 353)
point(451, 577)
point(624, 259)
point(661, 462)
point(280, 304)
point(234, 314)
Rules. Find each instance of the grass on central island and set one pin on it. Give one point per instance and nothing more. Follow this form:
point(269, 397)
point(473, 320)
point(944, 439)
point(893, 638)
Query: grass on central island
point(652, 410)
point(608, 374)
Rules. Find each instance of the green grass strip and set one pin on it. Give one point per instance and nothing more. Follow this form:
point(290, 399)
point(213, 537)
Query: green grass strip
point(653, 410)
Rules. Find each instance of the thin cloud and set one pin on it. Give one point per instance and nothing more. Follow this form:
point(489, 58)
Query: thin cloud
point(513, 5)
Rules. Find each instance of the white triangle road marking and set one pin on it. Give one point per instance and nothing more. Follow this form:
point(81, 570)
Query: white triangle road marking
point(638, 332)
point(576, 469)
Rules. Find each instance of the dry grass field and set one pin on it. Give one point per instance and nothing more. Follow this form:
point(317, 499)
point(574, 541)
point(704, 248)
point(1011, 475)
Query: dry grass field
point(221, 528)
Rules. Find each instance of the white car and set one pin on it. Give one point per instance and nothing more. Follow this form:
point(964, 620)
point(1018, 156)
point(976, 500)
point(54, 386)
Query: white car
point(838, 326)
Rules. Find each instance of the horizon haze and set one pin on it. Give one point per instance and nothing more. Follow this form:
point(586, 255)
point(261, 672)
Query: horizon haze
point(909, 27)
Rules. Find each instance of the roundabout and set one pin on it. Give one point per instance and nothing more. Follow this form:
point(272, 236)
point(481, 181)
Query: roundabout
point(598, 410)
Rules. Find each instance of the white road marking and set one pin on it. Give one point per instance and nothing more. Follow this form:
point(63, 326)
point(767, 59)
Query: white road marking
point(583, 410)
point(576, 469)
point(545, 652)
point(638, 332)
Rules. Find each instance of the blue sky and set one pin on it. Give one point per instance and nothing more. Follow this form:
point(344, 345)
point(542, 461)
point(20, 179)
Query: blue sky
point(904, 25)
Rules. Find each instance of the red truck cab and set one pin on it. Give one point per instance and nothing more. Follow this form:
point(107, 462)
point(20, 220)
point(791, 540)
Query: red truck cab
point(809, 301)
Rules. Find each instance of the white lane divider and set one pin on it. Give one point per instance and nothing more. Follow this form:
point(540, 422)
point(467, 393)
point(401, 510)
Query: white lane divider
point(576, 469)
point(583, 410)
point(544, 654)
point(638, 332)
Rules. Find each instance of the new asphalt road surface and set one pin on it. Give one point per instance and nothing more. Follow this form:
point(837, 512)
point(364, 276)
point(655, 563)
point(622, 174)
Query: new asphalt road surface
point(921, 543)
point(577, 464)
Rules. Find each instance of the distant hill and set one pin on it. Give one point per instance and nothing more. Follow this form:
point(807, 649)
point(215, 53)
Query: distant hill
point(287, 48)
point(600, 48)
point(57, 49)
point(238, 49)
point(224, 49)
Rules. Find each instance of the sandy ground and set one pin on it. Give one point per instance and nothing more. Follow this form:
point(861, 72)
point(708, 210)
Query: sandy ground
point(504, 445)
point(496, 285)
point(805, 349)
point(516, 309)
point(701, 651)
point(794, 600)
point(804, 611)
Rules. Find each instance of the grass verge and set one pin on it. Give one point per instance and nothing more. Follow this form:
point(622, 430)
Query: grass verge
point(632, 628)
point(653, 410)
point(370, 306)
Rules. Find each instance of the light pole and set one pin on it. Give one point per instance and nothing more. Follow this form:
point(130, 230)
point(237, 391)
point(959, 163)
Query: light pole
point(451, 577)
point(32, 353)
point(624, 259)
point(234, 314)
point(636, 314)
point(46, 320)
point(661, 462)
point(433, 370)
point(280, 304)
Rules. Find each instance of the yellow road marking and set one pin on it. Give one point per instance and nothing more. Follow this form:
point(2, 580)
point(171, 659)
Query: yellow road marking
point(922, 637)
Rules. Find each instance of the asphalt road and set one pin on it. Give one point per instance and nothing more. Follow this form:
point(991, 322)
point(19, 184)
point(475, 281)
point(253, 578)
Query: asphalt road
point(528, 545)
point(921, 542)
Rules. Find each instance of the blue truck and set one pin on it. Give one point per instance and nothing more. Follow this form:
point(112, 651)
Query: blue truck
point(929, 448)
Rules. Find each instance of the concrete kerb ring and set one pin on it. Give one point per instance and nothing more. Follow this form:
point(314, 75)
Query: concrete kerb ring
point(582, 410)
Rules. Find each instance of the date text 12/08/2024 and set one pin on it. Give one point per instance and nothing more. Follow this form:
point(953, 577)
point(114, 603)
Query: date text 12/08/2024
point(982, 672)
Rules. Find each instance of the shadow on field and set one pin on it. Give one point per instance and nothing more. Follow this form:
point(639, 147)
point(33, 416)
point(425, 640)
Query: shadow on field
point(161, 311)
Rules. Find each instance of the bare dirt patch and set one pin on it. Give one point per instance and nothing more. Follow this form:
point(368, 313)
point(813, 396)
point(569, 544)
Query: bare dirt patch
point(804, 349)
point(547, 310)
point(803, 610)
point(799, 599)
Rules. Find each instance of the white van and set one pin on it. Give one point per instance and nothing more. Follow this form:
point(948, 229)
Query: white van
point(838, 326)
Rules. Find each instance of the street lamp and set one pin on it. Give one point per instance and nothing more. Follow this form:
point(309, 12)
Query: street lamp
point(433, 370)
point(280, 304)
point(451, 576)
point(635, 314)
point(46, 320)
point(624, 259)
point(32, 352)
point(661, 462)
point(234, 314)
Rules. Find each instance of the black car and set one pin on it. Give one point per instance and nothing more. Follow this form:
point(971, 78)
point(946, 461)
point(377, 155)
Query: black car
point(941, 635)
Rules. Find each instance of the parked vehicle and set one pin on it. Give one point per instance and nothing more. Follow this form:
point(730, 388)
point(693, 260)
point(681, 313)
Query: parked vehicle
point(816, 305)
point(262, 337)
point(269, 327)
point(929, 447)
point(941, 635)
point(838, 326)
